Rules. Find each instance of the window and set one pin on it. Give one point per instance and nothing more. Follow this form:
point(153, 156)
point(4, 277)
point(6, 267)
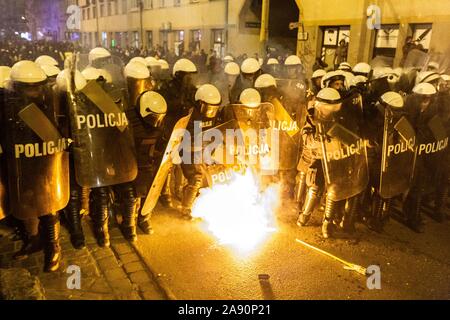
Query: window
point(179, 35)
point(335, 44)
point(94, 12)
point(176, 3)
point(218, 36)
point(162, 3)
point(422, 34)
point(196, 38)
point(148, 4)
point(136, 39)
point(109, 13)
point(116, 7)
point(102, 10)
point(386, 42)
point(219, 41)
point(124, 6)
point(149, 39)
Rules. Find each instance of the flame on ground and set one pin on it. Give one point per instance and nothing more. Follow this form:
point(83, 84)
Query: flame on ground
point(239, 213)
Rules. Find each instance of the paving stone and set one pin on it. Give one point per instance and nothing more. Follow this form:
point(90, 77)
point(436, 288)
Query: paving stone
point(122, 285)
point(140, 277)
point(151, 295)
point(129, 296)
point(107, 263)
point(100, 286)
point(115, 274)
point(102, 253)
point(133, 267)
point(19, 284)
point(122, 248)
point(129, 257)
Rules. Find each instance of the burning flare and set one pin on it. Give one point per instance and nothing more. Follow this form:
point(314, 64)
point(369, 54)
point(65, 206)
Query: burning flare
point(239, 213)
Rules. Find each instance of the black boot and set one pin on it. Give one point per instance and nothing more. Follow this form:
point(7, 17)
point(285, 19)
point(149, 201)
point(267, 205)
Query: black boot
point(167, 198)
point(329, 214)
point(439, 205)
point(189, 196)
point(348, 224)
point(73, 218)
point(144, 224)
point(374, 221)
point(129, 213)
point(52, 250)
point(311, 201)
point(85, 200)
point(31, 244)
point(100, 215)
point(413, 216)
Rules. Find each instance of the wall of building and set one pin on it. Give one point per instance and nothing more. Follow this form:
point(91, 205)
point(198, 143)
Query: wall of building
point(203, 15)
point(316, 14)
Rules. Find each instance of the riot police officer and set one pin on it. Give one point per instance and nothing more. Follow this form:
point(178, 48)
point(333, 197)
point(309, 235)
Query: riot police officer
point(79, 197)
point(311, 181)
point(38, 164)
point(180, 97)
point(250, 71)
point(104, 153)
point(432, 142)
point(208, 101)
point(146, 116)
point(391, 157)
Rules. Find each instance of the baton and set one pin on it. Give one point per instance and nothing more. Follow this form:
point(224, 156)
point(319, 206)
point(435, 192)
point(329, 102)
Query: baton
point(347, 265)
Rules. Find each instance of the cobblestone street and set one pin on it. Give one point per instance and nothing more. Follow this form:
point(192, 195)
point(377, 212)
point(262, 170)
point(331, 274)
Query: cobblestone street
point(115, 273)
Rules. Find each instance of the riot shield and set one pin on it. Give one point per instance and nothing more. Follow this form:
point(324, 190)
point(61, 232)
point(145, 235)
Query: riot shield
point(398, 155)
point(289, 137)
point(416, 59)
point(259, 146)
point(35, 152)
point(344, 160)
point(167, 162)
point(220, 161)
point(103, 149)
point(431, 153)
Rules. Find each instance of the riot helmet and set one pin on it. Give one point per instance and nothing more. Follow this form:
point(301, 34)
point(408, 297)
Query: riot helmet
point(152, 108)
point(138, 80)
point(362, 69)
point(46, 60)
point(209, 99)
point(328, 101)
point(293, 67)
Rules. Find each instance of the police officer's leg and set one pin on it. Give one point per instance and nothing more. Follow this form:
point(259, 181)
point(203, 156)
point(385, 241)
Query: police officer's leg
point(413, 201)
point(315, 183)
point(101, 203)
point(144, 221)
point(194, 176)
point(440, 197)
point(300, 188)
point(374, 221)
point(332, 210)
point(127, 195)
point(350, 215)
point(73, 217)
point(31, 240)
point(50, 236)
point(85, 192)
point(167, 197)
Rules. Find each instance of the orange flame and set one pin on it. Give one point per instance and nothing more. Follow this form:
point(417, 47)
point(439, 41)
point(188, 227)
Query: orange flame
point(239, 214)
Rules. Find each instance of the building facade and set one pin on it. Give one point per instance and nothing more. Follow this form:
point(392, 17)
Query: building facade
point(323, 24)
point(221, 25)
